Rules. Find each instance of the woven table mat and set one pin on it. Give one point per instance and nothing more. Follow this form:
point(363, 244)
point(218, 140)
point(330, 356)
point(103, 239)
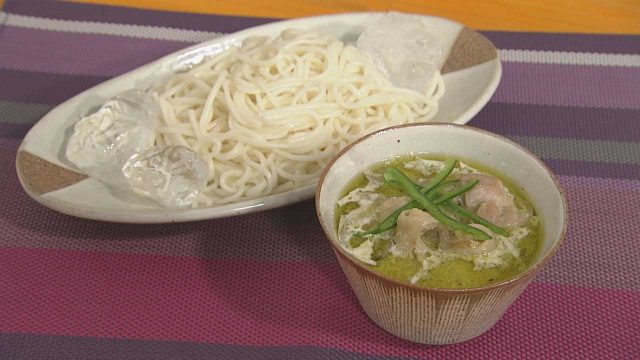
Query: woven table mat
point(266, 285)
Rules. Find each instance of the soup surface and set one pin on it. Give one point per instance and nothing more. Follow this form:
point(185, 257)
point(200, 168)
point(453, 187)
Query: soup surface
point(438, 222)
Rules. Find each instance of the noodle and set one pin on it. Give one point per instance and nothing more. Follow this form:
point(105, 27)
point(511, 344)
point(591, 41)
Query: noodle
point(266, 117)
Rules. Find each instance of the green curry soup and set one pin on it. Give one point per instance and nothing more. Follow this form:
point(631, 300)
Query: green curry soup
point(438, 222)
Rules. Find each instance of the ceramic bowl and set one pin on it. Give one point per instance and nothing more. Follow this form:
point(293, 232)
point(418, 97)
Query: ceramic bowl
point(430, 315)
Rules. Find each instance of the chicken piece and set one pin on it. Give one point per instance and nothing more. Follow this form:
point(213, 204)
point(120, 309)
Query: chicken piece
point(411, 225)
point(421, 250)
point(464, 244)
point(489, 211)
point(489, 189)
point(491, 201)
point(507, 217)
point(388, 206)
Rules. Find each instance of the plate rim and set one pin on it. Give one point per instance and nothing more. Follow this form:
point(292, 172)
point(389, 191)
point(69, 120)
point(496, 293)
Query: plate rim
point(163, 215)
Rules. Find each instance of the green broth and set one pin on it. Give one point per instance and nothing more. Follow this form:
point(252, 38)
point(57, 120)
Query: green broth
point(451, 273)
point(459, 273)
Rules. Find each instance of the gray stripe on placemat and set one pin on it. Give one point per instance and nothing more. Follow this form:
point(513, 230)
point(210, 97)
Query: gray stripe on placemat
point(569, 58)
point(294, 227)
point(13, 131)
point(582, 150)
point(39, 346)
point(92, 27)
point(22, 113)
point(43, 88)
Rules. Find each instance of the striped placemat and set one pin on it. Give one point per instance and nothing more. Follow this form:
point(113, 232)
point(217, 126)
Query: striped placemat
point(266, 285)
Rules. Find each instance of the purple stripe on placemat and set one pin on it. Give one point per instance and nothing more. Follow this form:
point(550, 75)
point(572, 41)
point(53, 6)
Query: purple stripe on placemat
point(40, 346)
point(617, 44)
point(598, 229)
point(74, 53)
point(570, 85)
point(594, 169)
point(37, 87)
point(94, 294)
point(127, 15)
point(300, 238)
point(560, 121)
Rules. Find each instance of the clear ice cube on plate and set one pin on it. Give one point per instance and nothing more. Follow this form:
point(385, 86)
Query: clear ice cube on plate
point(103, 141)
point(173, 176)
point(403, 48)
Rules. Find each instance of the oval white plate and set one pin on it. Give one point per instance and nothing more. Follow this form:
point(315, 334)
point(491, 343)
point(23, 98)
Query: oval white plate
point(470, 66)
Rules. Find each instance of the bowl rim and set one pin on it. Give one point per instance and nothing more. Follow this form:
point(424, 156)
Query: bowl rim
point(528, 273)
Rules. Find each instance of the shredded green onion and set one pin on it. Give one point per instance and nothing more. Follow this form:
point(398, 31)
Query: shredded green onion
point(459, 210)
point(457, 192)
point(431, 188)
point(430, 191)
point(414, 191)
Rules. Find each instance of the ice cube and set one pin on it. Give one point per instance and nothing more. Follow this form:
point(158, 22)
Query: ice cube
point(103, 141)
point(403, 49)
point(173, 176)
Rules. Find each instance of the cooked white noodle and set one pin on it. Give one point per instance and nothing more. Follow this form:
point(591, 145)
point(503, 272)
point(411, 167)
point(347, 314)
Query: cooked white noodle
point(267, 116)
